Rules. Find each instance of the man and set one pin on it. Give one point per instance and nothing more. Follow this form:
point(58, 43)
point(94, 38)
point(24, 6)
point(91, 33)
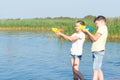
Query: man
point(98, 46)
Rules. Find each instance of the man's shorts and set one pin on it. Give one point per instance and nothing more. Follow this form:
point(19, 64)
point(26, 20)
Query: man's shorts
point(76, 56)
point(97, 59)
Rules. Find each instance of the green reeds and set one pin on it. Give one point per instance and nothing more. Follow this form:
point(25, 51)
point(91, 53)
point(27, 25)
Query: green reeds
point(68, 24)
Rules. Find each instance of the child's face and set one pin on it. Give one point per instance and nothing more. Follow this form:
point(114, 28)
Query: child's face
point(77, 27)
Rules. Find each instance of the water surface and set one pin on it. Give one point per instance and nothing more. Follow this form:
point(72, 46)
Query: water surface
point(42, 56)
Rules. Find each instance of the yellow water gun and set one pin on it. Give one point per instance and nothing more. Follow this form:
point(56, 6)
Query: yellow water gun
point(57, 30)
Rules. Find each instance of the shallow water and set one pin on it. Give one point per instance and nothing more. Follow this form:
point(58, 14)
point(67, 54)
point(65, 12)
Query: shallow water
point(42, 56)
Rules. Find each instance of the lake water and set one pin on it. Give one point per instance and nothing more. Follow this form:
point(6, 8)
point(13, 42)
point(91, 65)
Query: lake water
point(42, 56)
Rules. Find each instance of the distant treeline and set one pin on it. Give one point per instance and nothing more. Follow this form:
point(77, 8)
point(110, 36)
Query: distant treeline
point(66, 23)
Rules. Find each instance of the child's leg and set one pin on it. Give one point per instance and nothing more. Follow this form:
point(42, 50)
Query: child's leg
point(76, 63)
point(72, 63)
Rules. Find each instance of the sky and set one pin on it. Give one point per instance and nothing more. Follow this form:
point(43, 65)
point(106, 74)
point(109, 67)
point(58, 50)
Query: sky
point(57, 8)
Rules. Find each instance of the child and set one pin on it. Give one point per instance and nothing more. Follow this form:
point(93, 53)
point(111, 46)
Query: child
point(98, 46)
point(77, 40)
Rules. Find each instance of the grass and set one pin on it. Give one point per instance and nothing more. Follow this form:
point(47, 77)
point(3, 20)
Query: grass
point(66, 23)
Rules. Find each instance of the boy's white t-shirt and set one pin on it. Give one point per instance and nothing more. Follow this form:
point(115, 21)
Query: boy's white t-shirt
point(77, 46)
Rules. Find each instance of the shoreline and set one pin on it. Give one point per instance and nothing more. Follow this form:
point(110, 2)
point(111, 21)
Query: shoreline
point(24, 29)
point(110, 37)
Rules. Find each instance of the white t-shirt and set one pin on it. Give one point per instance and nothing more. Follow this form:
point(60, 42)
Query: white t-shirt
point(77, 46)
point(100, 43)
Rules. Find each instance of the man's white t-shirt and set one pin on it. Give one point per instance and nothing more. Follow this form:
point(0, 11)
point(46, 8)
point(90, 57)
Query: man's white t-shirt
point(100, 43)
point(77, 46)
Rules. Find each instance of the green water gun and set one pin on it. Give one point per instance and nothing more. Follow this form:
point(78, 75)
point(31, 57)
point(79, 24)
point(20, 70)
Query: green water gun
point(86, 27)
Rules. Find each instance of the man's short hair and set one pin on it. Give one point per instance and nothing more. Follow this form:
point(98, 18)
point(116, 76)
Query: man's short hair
point(100, 18)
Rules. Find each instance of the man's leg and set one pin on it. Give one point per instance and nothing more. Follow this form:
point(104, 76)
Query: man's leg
point(97, 63)
point(100, 75)
point(95, 75)
point(95, 66)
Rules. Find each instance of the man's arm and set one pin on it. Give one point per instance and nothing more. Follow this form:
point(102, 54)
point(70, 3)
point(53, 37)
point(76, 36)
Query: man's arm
point(67, 37)
point(91, 36)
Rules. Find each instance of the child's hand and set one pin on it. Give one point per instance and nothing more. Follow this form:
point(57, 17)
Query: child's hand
point(58, 34)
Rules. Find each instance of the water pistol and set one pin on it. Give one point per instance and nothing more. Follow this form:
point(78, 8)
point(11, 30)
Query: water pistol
point(86, 27)
point(57, 30)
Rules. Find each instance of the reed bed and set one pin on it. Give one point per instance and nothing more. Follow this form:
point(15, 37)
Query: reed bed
point(45, 24)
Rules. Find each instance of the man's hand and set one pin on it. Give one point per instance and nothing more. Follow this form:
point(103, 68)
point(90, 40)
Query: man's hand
point(85, 30)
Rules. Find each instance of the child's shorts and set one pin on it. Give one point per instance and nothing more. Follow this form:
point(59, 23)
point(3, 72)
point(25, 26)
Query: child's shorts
point(97, 60)
point(76, 56)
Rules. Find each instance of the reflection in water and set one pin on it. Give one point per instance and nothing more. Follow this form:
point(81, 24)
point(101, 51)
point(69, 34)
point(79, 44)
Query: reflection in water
point(42, 56)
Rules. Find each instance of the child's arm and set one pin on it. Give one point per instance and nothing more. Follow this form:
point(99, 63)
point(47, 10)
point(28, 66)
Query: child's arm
point(67, 37)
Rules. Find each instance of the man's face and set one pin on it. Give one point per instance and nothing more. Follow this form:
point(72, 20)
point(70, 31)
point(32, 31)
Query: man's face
point(97, 23)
